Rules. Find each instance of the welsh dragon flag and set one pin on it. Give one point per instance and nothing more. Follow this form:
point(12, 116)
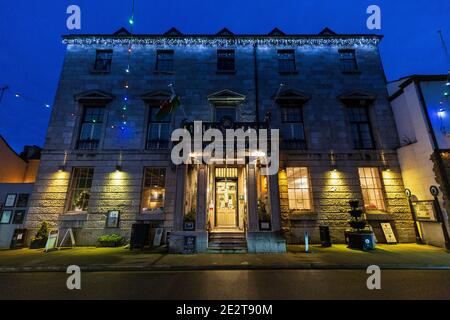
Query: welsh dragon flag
point(168, 106)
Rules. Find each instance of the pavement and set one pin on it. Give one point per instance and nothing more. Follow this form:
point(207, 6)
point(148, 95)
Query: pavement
point(397, 257)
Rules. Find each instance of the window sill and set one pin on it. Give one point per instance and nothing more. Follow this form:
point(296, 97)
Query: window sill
point(379, 216)
point(164, 72)
point(351, 72)
point(299, 215)
point(148, 216)
point(226, 71)
point(74, 216)
point(287, 72)
point(93, 71)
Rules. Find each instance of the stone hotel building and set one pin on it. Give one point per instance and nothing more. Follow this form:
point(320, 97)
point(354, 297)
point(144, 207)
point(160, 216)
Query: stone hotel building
point(338, 138)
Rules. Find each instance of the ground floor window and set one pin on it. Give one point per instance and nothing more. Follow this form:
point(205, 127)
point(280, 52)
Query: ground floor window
point(299, 190)
point(371, 188)
point(80, 189)
point(154, 190)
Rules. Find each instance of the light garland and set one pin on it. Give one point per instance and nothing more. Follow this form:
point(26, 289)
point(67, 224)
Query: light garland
point(220, 42)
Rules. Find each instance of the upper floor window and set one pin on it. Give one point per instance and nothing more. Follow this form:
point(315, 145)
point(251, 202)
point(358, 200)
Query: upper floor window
point(292, 128)
point(360, 128)
point(371, 188)
point(299, 191)
point(80, 189)
point(103, 60)
point(348, 60)
point(91, 128)
point(154, 190)
point(158, 133)
point(164, 61)
point(225, 113)
point(286, 61)
point(225, 60)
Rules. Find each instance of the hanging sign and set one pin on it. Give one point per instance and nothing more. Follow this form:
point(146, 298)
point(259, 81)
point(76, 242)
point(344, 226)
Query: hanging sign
point(388, 232)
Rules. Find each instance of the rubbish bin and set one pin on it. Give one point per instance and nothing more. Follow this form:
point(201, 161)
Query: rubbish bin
point(325, 238)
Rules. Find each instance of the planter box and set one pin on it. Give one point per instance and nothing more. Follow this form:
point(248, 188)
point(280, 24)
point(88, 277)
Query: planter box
point(189, 225)
point(38, 244)
point(360, 241)
point(265, 226)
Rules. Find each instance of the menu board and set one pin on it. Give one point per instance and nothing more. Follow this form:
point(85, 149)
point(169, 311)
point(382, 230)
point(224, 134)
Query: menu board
point(424, 210)
point(388, 232)
point(189, 244)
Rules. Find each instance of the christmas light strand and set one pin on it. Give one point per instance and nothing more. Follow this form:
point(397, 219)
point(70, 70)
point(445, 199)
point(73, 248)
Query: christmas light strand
point(366, 41)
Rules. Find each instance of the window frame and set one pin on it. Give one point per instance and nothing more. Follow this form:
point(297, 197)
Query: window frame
point(98, 52)
point(159, 123)
point(159, 59)
point(144, 188)
point(358, 124)
point(344, 60)
point(71, 190)
point(381, 189)
point(295, 189)
point(293, 61)
point(83, 121)
point(222, 60)
point(297, 144)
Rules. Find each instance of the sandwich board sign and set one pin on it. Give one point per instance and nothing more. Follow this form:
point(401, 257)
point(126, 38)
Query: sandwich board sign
point(158, 236)
point(72, 238)
point(52, 240)
point(388, 232)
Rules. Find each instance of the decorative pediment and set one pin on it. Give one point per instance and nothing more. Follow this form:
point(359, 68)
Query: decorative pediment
point(173, 32)
point(122, 32)
point(155, 96)
point(94, 96)
point(292, 96)
point(227, 97)
point(276, 32)
point(357, 96)
point(225, 33)
point(327, 32)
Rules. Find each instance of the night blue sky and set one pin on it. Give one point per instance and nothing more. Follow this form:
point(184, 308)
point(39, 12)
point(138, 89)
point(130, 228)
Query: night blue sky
point(31, 52)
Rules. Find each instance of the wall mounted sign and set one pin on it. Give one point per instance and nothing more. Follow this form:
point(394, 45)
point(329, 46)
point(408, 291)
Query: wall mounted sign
point(22, 200)
point(19, 216)
point(112, 219)
point(10, 200)
point(424, 210)
point(52, 240)
point(388, 232)
point(189, 245)
point(6, 217)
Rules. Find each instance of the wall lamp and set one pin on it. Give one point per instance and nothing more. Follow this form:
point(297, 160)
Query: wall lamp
point(61, 168)
point(118, 168)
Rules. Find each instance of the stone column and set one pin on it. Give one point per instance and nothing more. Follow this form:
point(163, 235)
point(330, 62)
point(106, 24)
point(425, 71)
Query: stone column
point(202, 175)
point(181, 171)
point(274, 199)
point(252, 199)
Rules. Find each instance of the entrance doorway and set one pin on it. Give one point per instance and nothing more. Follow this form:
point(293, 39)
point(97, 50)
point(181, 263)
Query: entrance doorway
point(226, 204)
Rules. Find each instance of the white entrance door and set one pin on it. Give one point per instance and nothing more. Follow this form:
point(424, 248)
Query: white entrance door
point(226, 204)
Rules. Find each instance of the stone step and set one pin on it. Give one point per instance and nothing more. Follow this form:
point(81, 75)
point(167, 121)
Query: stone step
point(227, 242)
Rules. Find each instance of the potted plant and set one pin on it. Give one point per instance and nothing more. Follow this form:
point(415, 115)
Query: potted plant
point(189, 220)
point(359, 237)
point(40, 239)
point(264, 217)
point(111, 240)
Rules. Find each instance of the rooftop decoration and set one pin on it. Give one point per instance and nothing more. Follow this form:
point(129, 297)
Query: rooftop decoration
point(173, 32)
point(327, 32)
point(225, 32)
point(276, 32)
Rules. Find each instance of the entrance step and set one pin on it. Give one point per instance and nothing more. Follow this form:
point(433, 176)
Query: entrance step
point(227, 242)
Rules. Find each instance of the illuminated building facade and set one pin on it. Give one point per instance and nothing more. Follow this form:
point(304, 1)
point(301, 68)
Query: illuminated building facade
point(421, 108)
point(107, 150)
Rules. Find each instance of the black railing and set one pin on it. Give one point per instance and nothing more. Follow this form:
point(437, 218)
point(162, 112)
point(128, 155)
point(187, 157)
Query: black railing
point(88, 144)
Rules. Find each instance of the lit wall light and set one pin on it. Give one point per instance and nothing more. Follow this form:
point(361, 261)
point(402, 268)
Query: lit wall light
point(118, 168)
point(61, 168)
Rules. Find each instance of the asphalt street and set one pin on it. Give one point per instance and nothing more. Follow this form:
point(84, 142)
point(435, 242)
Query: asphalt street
point(229, 285)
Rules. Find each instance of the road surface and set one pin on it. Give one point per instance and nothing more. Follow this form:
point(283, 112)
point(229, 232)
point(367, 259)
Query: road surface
point(237, 284)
